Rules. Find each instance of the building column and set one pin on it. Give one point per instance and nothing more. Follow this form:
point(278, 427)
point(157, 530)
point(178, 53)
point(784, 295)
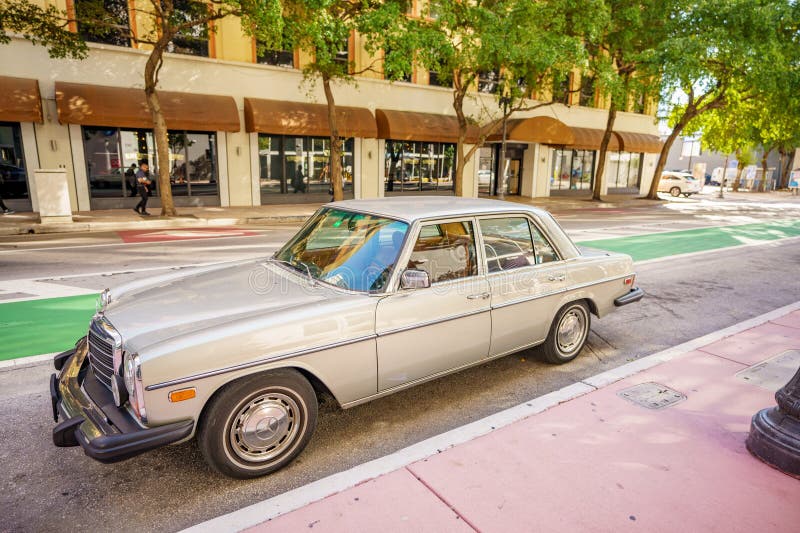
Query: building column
point(255, 170)
point(470, 175)
point(239, 174)
point(648, 168)
point(530, 176)
point(370, 176)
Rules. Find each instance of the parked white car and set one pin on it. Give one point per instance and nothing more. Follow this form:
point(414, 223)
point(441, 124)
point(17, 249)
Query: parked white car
point(369, 298)
point(679, 183)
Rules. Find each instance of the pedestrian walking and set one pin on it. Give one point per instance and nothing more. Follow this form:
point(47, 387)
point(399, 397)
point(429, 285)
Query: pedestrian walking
point(130, 179)
point(143, 183)
point(298, 181)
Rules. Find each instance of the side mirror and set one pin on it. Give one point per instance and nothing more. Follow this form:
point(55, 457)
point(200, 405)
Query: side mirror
point(414, 279)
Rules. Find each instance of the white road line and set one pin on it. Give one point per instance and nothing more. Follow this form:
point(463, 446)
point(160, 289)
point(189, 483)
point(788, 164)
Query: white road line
point(300, 497)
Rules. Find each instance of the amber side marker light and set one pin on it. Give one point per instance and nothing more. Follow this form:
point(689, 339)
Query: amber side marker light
point(629, 280)
point(182, 394)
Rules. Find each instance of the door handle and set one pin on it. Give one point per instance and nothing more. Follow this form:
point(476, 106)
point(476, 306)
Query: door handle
point(481, 296)
point(556, 278)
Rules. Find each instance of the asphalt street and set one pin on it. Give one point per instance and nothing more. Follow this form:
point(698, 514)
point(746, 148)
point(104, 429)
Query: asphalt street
point(43, 488)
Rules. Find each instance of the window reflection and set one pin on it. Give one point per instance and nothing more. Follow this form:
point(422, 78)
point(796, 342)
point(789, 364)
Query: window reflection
point(113, 156)
point(414, 166)
point(573, 170)
point(299, 166)
point(445, 251)
point(13, 177)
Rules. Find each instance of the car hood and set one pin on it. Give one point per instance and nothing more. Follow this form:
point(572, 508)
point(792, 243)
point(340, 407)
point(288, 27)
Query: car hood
point(148, 312)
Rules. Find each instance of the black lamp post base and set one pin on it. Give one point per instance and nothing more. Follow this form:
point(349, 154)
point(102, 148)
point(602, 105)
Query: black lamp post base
point(775, 439)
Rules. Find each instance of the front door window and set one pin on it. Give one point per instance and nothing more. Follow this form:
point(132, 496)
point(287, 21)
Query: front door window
point(445, 251)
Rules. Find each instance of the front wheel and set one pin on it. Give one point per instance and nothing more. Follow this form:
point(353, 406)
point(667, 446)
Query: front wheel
point(258, 424)
point(675, 191)
point(567, 334)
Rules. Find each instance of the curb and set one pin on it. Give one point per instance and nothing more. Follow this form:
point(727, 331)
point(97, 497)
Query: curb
point(300, 497)
point(179, 222)
point(24, 362)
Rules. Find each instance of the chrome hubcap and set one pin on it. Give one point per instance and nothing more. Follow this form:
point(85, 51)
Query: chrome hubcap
point(571, 330)
point(265, 427)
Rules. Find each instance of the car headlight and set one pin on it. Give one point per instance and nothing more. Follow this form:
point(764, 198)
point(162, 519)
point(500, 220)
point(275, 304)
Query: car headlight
point(132, 374)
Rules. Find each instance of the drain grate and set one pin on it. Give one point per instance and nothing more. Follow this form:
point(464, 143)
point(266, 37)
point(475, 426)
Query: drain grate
point(652, 395)
point(773, 373)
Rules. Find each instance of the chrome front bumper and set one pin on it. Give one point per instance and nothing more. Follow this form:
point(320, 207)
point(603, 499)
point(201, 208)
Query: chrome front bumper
point(106, 432)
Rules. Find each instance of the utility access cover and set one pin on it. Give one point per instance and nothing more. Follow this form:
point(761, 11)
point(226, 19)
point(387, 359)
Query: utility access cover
point(652, 395)
point(773, 373)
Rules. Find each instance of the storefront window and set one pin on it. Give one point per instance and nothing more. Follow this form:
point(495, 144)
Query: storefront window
point(113, 157)
point(13, 177)
point(573, 170)
point(414, 166)
point(300, 166)
point(113, 26)
point(624, 170)
point(486, 175)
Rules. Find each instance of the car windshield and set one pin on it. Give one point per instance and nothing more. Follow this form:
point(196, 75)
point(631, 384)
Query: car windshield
point(355, 251)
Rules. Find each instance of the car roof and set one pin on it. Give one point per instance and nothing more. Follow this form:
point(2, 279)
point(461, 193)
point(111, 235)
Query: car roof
point(411, 208)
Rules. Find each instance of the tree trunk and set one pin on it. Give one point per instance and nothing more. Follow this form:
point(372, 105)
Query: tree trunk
point(336, 143)
point(723, 178)
point(739, 168)
point(458, 105)
point(601, 159)
point(159, 126)
point(784, 170)
point(762, 187)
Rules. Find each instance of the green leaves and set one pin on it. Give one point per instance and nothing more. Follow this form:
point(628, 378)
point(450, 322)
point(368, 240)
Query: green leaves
point(48, 27)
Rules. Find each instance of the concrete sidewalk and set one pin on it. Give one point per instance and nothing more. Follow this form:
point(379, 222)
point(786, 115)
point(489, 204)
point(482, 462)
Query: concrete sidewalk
point(600, 461)
point(119, 219)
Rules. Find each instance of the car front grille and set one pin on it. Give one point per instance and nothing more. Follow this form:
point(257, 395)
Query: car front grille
point(101, 351)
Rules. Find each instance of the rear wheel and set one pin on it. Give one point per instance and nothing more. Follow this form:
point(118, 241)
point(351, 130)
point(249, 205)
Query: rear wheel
point(675, 191)
point(567, 334)
point(258, 424)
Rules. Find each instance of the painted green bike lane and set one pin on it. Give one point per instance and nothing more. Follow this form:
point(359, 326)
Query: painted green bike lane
point(657, 245)
point(52, 325)
point(43, 326)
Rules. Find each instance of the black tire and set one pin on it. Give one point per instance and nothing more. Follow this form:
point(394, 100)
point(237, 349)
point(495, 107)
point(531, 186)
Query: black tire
point(675, 191)
point(557, 349)
point(279, 407)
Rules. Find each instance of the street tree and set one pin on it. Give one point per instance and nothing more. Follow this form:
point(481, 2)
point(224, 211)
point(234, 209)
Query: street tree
point(623, 59)
point(521, 45)
point(45, 26)
point(322, 29)
point(714, 46)
point(725, 129)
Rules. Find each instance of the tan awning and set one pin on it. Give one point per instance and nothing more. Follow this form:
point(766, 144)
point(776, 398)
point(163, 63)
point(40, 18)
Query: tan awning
point(590, 139)
point(412, 126)
point(20, 100)
point(542, 130)
point(301, 118)
point(97, 105)
point(640, 142)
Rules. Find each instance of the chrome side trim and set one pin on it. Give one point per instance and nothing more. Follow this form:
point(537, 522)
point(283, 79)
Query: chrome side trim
point(432, 322)
point(528, 299)
point(258, 362)
point(606, 280)
point(560, 291)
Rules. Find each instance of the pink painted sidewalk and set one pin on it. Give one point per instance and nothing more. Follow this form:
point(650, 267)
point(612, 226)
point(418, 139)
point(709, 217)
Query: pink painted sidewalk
point(598, 462)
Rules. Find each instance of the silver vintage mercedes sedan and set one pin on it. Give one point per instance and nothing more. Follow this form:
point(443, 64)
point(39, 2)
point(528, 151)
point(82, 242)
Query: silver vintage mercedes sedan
point(370, 297)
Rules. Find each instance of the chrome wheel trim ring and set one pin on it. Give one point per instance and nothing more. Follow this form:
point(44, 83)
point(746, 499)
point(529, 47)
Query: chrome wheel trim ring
point(265, 427)
point(571, 330)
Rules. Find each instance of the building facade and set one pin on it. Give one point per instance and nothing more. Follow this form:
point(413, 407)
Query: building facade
point(246, 129)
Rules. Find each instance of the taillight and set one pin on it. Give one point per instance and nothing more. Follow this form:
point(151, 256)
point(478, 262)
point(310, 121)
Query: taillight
point(629, 280)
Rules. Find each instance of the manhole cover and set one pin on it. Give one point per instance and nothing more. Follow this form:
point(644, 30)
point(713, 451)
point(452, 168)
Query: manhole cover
point(773, 373)
point(652, 395)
